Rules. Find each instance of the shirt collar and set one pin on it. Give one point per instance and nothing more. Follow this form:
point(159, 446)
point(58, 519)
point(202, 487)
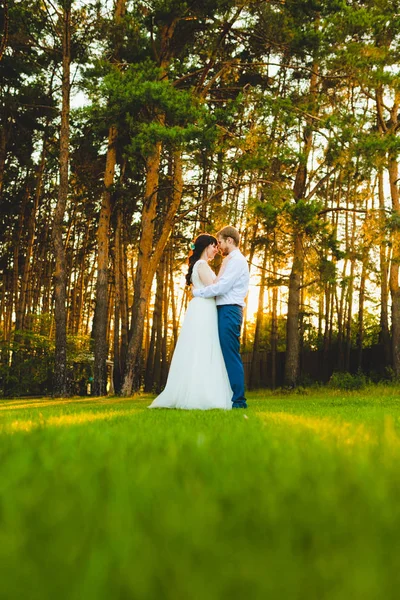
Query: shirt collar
point(234, 252)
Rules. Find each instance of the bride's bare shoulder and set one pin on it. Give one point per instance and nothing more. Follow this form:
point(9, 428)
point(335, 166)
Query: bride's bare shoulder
point(205, 273)
point(203, 265)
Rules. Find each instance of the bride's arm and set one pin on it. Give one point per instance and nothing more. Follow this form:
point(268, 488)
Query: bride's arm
point(205, 274)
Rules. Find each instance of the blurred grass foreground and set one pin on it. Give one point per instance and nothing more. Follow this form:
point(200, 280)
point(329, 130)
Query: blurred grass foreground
point(295, 498)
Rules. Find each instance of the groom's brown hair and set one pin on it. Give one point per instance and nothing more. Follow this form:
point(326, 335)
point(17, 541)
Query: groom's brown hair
point(231, 232)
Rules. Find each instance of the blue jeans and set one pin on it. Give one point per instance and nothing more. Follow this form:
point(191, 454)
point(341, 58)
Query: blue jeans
point(230, 317)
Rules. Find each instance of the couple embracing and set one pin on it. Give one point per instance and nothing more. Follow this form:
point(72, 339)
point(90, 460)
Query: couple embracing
point(206, 369)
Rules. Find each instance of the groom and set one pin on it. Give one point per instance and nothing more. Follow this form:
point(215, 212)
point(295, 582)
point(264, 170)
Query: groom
point(230, 291)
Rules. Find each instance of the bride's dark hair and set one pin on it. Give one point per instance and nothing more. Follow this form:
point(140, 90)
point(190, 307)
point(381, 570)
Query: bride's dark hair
point(198, 246)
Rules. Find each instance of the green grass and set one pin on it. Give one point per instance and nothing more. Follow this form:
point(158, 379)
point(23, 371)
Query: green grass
point(297, 497)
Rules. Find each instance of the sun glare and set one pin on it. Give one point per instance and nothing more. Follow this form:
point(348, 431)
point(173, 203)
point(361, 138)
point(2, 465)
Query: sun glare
point(66, 420)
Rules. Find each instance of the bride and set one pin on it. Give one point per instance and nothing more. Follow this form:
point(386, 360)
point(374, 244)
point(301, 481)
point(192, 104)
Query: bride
point(197, 377)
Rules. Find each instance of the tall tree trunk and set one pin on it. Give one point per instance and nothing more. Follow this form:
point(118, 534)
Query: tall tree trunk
point(154, 354)
point(101, 316)
point(326, 367)
point(341, 302)
point(361, 302)
point(349, 315)
point(389, 128)
point(255, 374)
point(124, 303)
point(250, 239)
point(394, 268)
point(117, 373)
point(384, 333)
point(274, 335)
point(19, 308)
point(100, 320)
point(159, 324)
point(150, 250)
point(4, 37)
point(321, 297)
point(3, 153)
point(60, 280)
point(292, 362)
point(149, 256)
point(164, 346)
point(173, 302)
point(350, 293)
point(31, 226)
point(79, 307)
point(144, 275)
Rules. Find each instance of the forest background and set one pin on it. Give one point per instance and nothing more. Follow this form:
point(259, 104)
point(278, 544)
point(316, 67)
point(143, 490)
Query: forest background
point(128, 128)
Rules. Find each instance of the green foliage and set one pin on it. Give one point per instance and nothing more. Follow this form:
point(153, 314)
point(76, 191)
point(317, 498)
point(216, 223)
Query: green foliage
point(393, 222)
point(265, 333)
point(373, 145)
point(165, 11)
point(371, 329)
point(267, 212)
point(391, 377)
point(347, 381)
point(141, 87)
point(304, 215)
point(327, 270)
point(148, 107)
point(30, 371)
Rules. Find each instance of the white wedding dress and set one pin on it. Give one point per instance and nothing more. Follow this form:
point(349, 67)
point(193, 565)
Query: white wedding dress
point(197, 377)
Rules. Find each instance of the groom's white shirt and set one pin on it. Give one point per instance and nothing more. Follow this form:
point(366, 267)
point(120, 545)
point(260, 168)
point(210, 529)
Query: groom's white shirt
point(233, 285)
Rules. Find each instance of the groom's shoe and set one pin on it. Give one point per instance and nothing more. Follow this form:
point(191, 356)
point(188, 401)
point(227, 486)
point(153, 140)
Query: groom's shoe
point(239, 405)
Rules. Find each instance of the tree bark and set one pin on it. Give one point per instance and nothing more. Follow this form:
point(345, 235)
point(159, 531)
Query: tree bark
point(394, 268)
point(31, 226)
point(117, 373)
point(149, 256)
point(361, 302)
point(4, 38)
point(249, 239)
point(255, 374)
point(3, 154)
point(384, 333)
point(101, 311)
point(292, 362)
point(60, 371)
point(164, 353)
point(390, 128)
point(173, 302)
point(16, 253)
point(154, 355)
point(341, 300)
point(156, 372)
point(350, 293)
point(274, 335)
point(101, 316)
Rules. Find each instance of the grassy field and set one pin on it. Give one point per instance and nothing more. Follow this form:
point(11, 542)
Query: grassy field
point(298, 497)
